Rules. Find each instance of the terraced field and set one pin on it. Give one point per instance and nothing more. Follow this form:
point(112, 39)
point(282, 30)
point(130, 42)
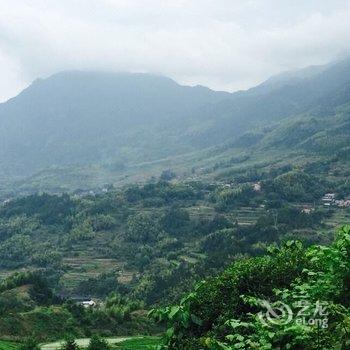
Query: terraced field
point(201, 212)
point(246, 215)
point(7, 272)
point(83, 268)
point(341, 216)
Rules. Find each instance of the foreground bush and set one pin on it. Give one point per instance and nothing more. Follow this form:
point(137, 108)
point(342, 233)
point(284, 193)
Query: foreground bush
point(29, 344)
point(70, 344)
point(97, 343)
point(292, 298)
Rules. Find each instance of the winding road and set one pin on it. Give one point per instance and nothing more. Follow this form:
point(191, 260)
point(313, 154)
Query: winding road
point(83, 342)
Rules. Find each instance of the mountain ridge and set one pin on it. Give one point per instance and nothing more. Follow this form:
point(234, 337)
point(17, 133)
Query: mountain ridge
point(113, 123)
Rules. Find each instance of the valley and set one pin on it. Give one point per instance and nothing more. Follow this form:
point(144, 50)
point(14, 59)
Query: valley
point(130, 189)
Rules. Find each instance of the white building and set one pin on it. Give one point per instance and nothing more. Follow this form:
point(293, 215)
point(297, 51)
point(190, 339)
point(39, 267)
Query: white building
point(328, 199)
point(257, 187)
point(88, 303)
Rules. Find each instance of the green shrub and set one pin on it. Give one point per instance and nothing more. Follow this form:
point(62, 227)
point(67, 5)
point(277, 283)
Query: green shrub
point(29, 344)
point(70, 344)
point(97, 343)
point(228, 312)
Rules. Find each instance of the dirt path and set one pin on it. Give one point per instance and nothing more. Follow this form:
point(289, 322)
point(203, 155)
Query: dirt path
point(83, 342)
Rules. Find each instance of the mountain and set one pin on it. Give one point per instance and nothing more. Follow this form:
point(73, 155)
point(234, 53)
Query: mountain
point(92, 117)
point(284, 96)
point(81, 129)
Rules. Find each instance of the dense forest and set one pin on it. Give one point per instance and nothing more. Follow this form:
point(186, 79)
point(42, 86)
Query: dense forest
point(140, 247)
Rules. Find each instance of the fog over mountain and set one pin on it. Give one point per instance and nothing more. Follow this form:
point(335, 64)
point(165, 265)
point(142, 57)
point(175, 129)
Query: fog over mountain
point(89, 117)
point(226, 45)
point(118, 120)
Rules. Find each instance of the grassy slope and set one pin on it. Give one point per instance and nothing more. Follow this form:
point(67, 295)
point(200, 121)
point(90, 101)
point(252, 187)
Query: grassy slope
point(8, 345)
point(140, 344)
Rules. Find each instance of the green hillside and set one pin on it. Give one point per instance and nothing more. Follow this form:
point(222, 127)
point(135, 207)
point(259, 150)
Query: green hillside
point(8, 345)
point(290, 298)
point(126, 190)
point(134, 248)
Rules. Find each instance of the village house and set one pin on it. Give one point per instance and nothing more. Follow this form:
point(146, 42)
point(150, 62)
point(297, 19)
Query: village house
point(342, 203)
point(307, 210)
point(88, 303)
point(257, 187)
point(328, 199)
point(85, 302)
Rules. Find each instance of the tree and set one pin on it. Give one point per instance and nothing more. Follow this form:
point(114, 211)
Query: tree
point(142, 227)
point(30, 344)
point(167, 175)
point(98, 343)
point(175, 220)
point(102, 222)
point(70, 344)
point(16, 251)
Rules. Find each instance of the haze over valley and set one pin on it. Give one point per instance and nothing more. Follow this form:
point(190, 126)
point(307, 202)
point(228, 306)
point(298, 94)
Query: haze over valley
point(110, 126)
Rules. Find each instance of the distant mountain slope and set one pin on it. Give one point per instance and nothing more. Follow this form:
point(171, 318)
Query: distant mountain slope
point(280, 97)
point(84, 117)
point(91, 126)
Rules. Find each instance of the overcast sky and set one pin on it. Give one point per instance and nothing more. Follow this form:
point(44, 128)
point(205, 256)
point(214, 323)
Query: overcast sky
point(223, 44)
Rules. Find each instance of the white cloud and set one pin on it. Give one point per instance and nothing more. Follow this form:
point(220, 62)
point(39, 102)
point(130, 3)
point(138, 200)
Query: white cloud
point(225, 44)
